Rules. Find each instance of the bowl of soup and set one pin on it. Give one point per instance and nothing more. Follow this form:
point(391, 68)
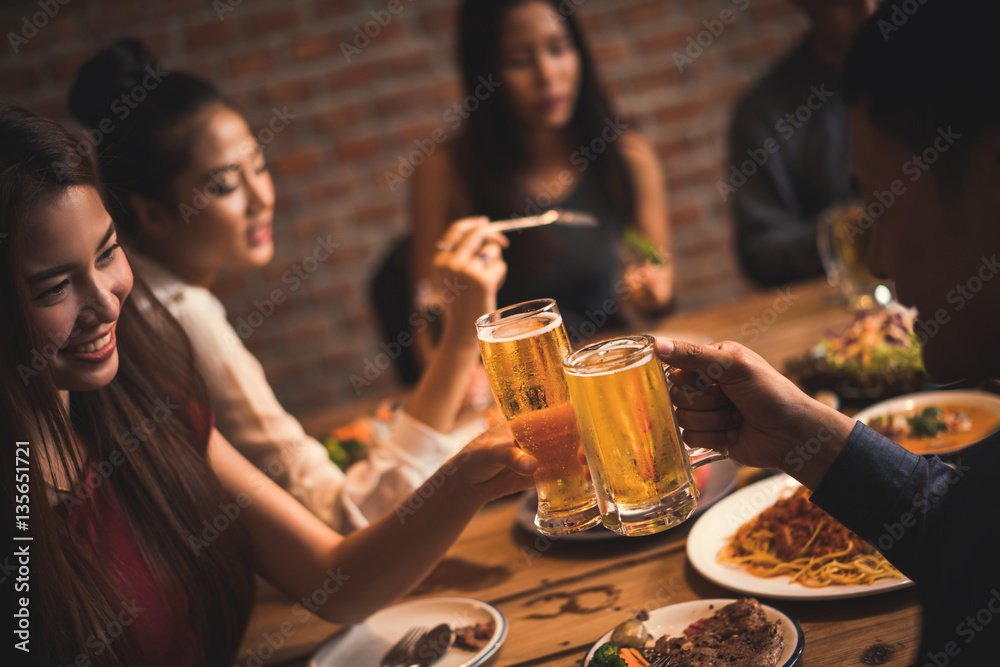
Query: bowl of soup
point(935, 422)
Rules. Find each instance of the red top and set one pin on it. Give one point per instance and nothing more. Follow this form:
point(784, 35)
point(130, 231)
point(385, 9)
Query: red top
point(165, 635)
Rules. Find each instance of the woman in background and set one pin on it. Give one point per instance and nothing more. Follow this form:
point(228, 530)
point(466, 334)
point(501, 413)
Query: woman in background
point(119, 522)
point(543, 135)
point(192, 196)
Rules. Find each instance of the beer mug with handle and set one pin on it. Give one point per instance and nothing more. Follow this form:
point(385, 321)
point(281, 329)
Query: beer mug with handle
point(641, 470)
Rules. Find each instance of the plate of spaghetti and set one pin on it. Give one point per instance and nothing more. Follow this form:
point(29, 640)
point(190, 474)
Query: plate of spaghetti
point(769, 540)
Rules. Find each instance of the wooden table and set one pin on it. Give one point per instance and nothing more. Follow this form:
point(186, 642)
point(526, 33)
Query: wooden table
point(560, 596)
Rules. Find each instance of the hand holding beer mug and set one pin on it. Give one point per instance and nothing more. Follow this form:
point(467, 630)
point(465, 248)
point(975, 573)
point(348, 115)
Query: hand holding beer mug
point(843, 233)
point(523, 346)
point(641, 471)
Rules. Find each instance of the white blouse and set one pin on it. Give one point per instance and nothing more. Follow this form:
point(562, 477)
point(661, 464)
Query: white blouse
point(248, 414)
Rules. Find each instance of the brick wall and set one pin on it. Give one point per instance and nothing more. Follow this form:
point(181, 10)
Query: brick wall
point(353, 119)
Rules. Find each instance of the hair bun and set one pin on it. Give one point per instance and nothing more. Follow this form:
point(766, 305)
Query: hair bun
point(102, 79)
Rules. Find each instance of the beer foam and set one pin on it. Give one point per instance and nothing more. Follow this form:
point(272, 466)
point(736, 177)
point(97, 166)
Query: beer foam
point(581, 372)
point(521, 328)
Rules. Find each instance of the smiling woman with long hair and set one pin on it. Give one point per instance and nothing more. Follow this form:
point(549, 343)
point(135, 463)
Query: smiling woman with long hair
point(127, 474)
point(75, 417)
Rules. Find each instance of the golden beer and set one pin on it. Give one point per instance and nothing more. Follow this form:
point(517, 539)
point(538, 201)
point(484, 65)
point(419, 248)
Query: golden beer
point(641, 470)
point(843, 236)
point(853, 234)
point(523, 347)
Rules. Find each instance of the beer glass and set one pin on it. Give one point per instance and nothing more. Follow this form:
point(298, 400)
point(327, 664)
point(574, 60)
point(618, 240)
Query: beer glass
point(641, 469)
point(843, 234)
point(523, 346)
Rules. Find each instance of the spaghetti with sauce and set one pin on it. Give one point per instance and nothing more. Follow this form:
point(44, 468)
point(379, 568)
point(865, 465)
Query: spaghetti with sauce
point(794, 537)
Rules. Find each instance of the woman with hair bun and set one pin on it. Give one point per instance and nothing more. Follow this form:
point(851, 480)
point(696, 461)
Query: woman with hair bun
point(144, 548)
point(192, 195)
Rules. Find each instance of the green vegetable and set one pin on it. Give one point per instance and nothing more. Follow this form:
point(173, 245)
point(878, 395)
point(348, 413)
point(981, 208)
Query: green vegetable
point(607, 656)
point(343, 452)
point(927, 424)
point(337, 453)
point(639, 244)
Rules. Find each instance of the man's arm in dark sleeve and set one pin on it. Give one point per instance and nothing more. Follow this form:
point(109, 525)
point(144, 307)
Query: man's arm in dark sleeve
point(894, 499)
point(775, 243)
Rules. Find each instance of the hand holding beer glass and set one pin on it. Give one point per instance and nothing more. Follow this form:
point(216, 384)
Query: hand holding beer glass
point(523, 346)
point(640, 468)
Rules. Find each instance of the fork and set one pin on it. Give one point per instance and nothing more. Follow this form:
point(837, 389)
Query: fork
point(662, 661)
point(399, 654)
point(572, 218)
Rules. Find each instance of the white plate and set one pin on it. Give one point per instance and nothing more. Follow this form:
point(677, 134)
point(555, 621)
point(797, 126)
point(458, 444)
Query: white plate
point(920, 400)
point(673, 619)
point(721, 480)
point(364, 645)
point(713, 530)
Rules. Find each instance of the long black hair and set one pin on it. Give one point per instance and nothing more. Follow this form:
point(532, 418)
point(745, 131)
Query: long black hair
point(161, 483)
point(141, 113)
point(490, 152)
